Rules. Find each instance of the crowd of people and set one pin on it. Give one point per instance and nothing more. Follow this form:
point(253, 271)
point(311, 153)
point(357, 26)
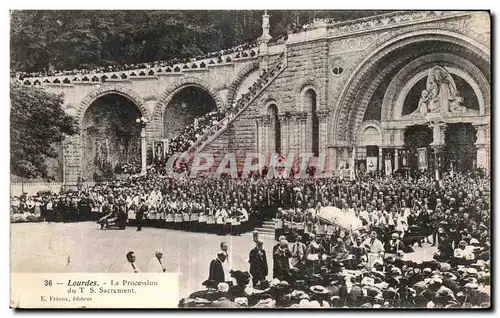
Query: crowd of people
point(317, 264)
point(202, 124)
point(240, 51)
point(192, 132)
point(208, 205)
point(316, 22)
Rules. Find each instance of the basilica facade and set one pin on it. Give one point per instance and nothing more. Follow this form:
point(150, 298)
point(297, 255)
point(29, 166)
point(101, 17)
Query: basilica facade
point(389, 92)
point(401, 90)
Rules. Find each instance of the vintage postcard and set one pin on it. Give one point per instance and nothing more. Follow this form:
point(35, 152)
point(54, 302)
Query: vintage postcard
point(250, 159)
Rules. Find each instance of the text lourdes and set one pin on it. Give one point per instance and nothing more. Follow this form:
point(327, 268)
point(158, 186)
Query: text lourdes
point(82, 283)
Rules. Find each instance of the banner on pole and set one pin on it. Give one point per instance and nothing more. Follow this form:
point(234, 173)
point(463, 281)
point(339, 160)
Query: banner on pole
point(422, 158)
point(371, 163)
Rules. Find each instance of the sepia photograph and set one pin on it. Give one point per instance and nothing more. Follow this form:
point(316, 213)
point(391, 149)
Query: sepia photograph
point(250, 159)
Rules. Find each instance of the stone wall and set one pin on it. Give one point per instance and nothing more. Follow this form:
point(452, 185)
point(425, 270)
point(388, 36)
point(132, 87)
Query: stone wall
point(336, 62)
point(306, 68)
point(331, 65)
point(150, 93)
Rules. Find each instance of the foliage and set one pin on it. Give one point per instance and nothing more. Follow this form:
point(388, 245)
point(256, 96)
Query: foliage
point(37, 122)
point(84, 39)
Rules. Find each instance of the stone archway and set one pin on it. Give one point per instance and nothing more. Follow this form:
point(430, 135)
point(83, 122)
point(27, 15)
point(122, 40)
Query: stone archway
point(156, 129)
point(242, 75)
point(73, 151)
point(371, 72)
point(109, 89)
point(110, 137)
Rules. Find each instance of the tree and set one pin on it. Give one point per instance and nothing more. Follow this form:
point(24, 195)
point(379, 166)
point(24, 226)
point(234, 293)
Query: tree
point(84, 39)
point(37, 122)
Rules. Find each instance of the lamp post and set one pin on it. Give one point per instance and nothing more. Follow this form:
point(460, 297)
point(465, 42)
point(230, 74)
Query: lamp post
point(143, 122)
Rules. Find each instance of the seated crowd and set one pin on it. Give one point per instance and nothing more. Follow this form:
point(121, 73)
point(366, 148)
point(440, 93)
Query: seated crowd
point(194, 131)
point(318, 264)
point(240, 51)
point(202, 124)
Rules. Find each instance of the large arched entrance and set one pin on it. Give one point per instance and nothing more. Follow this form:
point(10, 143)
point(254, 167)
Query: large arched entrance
point(186, 105)
point(110, 137)
point(415, 87)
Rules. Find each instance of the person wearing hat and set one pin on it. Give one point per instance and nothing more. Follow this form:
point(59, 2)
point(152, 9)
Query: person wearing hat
point(258, 263)
point(241, 280)
point(320, 294)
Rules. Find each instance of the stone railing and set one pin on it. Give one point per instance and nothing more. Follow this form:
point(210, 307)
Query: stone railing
point(242, 103)
point(142, 73)
point(391, 19)
point(324, 29)
point(31, 188)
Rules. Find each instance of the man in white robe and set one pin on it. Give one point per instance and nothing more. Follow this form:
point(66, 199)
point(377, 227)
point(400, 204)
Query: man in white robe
point(375, 248)
point(156, 265)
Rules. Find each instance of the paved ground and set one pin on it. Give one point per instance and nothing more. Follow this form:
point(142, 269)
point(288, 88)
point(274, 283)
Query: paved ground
point(82, 247)
point(44, 247)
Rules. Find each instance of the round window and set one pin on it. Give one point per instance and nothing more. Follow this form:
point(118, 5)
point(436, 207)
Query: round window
point(337, 66)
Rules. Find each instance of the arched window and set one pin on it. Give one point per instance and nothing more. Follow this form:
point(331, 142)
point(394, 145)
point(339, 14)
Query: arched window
point(274, 129)
point(311, 106)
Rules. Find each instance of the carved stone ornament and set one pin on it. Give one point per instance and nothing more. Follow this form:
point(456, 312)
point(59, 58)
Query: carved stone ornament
point(440, 96)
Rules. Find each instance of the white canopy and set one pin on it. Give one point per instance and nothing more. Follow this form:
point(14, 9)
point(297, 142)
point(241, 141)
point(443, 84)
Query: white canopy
point(335, 216)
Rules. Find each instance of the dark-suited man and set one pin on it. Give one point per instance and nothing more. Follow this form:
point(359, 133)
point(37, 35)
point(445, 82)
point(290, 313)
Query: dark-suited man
point(141, 211)
point(258, 264)
point(216, 272)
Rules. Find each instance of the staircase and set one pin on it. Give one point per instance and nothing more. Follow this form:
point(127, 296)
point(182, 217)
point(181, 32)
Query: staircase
point(267, 229)
point(257, 88)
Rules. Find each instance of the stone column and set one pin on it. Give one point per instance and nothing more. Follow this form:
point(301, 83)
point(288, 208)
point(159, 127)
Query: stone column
point(265, 135)
point(285, 132)
point(322, 131)
point(482, 147)
point(257, 135)
point(72, 161)
point(143, 151)
point(396, 159)
point(331, 160)
point(263, 41)
point(380, 159)
point(482, 157)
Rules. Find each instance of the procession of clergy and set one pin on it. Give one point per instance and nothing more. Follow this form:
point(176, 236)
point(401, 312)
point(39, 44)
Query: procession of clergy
point(369, 263)
point(315, 261)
